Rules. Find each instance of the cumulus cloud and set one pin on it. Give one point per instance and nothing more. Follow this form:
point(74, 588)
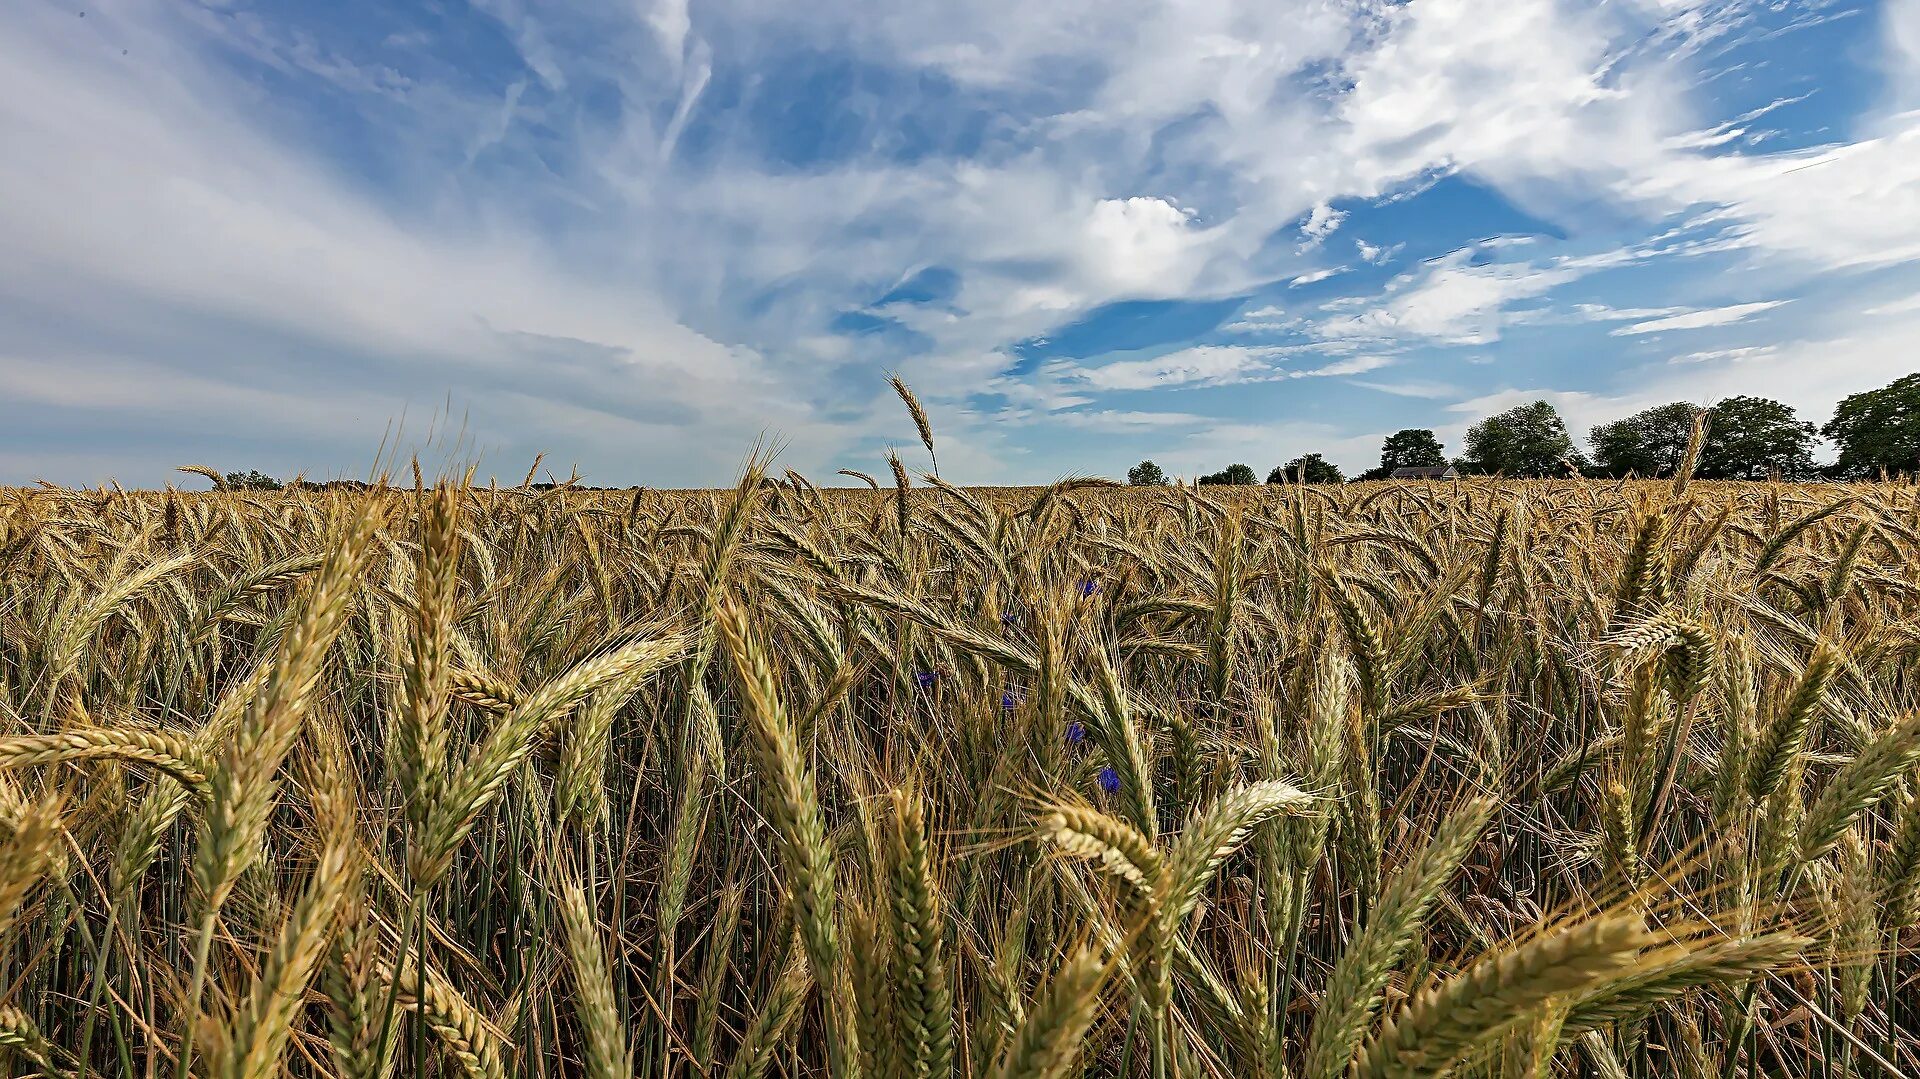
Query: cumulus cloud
point(1142, 245)
point(1373, 255)
point(1321, 222)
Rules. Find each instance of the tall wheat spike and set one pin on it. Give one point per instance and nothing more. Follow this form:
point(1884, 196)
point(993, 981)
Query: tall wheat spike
point(1500, 991)
point(794, 807)
point(1050, 1041)
point(607, 1053)
point(919, 415)
point(1354, 990)
point(924, 1003)
point(258, 1032)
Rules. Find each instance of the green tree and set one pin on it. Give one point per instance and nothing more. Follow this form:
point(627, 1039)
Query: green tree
point(1146, 474)
point(1651, 442)
point(252, 480)
point(1414, 447)
point(1315, 469)
point(1752, 438)
point(1526, 440)
point(1878, 429)
point(1232, 476)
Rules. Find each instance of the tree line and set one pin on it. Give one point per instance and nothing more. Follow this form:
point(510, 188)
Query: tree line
point(1745, 438)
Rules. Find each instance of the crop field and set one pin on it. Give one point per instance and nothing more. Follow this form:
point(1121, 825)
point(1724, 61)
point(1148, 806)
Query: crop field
point(1485, 778)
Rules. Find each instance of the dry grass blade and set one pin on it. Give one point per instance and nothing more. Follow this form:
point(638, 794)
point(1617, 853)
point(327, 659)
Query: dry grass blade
point(919, 414)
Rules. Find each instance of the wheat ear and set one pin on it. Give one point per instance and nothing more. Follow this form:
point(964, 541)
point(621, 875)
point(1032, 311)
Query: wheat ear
point(1499, 991)
point(1050, 1038)
point(606, 1044)
point(924, 999)
point(1360, 978)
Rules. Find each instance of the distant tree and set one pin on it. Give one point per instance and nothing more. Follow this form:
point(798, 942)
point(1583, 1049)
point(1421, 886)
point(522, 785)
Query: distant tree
point(1526, 440)
point(1313, 467)
point(1752, 438)
point(252, 480)
point(1146, 474)
point(1414, 447)
point(1232, 476)
point(1878, 429)
point(1651, 442)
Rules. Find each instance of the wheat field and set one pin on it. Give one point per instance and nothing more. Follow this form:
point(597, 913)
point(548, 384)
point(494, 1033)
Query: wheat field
point(1486, 778)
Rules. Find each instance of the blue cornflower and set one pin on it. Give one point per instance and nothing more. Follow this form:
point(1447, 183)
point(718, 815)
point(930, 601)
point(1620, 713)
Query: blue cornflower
point(1109, 781)
point(1076, 732)
point(926, 678)
point(1010, 617)
point(1088, 587)
point(1009, 700)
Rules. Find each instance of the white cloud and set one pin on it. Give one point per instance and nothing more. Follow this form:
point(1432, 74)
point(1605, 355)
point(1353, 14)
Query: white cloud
point(1895, 307)
point(1694, 320)
point(1902, 22)
point(671, 21)
point(1202, 365)
point(1511, 91)
point(1142, 245)
point(1315, 276)
point(1216, 365)
point(1846, 206)
point(1411, 388)
point(1321, 222)
point(1597, 312)
point(1451, 301)
point(1730, 355)
point(1501, 400)
point(1120, 420)
point(182, 241)
point(1353, 366)
point(1375, 256)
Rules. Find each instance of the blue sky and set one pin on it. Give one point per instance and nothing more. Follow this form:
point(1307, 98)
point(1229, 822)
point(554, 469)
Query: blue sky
point(639, 234)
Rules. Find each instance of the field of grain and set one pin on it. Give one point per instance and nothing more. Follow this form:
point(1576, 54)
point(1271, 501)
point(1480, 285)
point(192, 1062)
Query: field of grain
point(1481, 778)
